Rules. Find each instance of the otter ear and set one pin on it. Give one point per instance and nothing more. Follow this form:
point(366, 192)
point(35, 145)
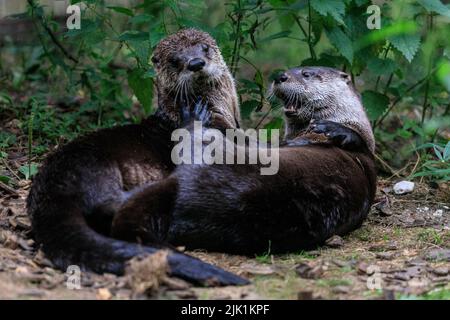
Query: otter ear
point(345, 76)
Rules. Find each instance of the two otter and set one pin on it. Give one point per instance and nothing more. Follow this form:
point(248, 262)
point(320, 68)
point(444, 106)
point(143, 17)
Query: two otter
point(80, 187)
point(322, 188)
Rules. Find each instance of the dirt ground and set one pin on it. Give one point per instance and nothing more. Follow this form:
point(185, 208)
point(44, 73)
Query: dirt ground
point(402, 251)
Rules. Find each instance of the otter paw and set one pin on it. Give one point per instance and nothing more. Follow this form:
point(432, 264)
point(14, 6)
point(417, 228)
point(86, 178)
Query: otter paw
point(340, 135)
point(198, 113)
point(201, 113)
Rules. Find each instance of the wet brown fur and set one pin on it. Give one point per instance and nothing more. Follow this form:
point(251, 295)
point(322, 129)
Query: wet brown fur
point(79, 188)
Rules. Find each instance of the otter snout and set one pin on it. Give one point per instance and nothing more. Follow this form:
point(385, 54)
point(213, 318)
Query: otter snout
point(196, 64)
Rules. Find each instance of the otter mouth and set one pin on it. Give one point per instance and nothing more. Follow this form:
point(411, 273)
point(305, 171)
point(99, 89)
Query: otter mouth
point(290, 110)
point(290, 100)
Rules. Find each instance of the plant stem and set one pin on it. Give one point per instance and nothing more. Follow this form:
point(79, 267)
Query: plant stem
point(427, 86)
point(397, 100)
point(50, 33)
point(311, 49)
point(386, 51)
point(237, 40)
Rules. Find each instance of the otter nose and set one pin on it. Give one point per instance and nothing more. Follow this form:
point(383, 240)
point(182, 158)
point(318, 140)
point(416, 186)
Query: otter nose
point(281, 78)
point(196, 64)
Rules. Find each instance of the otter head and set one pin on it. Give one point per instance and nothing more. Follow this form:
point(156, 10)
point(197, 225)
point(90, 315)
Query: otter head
point(189, 65)
point(320, 93)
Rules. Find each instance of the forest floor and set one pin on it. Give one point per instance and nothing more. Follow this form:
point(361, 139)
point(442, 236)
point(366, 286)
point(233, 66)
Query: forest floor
point(401, 251)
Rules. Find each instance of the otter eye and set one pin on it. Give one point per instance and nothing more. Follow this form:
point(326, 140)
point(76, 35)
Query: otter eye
point(205, 47)
point(155, 60)
point(173, 61)
point(307, 74)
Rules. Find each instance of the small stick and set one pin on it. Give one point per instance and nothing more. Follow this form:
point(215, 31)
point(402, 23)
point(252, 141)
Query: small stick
point(7, 188)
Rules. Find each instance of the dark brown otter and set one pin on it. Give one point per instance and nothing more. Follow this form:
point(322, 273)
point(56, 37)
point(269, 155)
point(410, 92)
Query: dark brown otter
point(322, 188)
point(78, 189)
point(321, 93)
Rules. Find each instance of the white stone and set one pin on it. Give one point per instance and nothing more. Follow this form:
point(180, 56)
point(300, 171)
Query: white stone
point(403, 187)
point(438, 213)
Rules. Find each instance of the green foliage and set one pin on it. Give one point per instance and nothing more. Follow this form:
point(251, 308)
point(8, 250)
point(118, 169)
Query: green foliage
point(402, 70)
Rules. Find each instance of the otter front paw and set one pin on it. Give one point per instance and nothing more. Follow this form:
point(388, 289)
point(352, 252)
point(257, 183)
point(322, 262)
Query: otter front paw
point(199, 113)
point(338, 134)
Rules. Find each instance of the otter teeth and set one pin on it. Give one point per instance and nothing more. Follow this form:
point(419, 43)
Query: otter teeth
point(290, 108)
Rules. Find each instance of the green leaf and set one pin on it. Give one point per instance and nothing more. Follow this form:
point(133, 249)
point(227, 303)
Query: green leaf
point(5, 98)
point(407, 44)
point(142, 88)
point(155, 37)
point(335, 8)
point(380, 67)
point(122, 10)
point(435, 6)
point(247, 107)
point(133, 35)
point(342, 42)
point(278, 35)
point(375, 103)
point(443, 74)
point(447, 151)
point(5, 179)
point(438, 153)
point(28, 171)
point(141, 18)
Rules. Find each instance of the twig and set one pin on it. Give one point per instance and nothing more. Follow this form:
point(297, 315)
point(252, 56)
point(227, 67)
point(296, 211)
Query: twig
point(8, 189)
point(397, 100)
point(10, 170)
point(51, 34)
point(387, 166)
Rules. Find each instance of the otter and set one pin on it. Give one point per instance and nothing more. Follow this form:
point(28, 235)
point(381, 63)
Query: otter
point(323, 187)
point(333, 98)
point(79, 188)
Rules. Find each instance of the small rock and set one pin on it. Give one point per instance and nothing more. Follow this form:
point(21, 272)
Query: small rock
point(33, 293)
point(104, 294)
point(383, 207)
point(385, 255)
point(362, 267)
point(309, 271)
point(438, 213)
point(403, 187)
point(440, 271)
point(403, 276)
point(341, 289)
point(340, 263)
point(335, 242)
point(438, 255)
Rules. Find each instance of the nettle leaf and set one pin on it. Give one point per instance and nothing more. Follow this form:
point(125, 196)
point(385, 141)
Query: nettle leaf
point(435, 6)
point(141, 50)
point(375, 103)
point(141, 18)
point(380, 67)
point(247, 107)
point(342, 42)
point(407, 44)
point(335, 8)
point(122, 10)
point(142, 88)
point(133, 35)
point(282, 34)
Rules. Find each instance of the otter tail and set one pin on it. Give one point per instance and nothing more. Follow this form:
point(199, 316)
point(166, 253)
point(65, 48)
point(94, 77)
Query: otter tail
point(67, 240)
